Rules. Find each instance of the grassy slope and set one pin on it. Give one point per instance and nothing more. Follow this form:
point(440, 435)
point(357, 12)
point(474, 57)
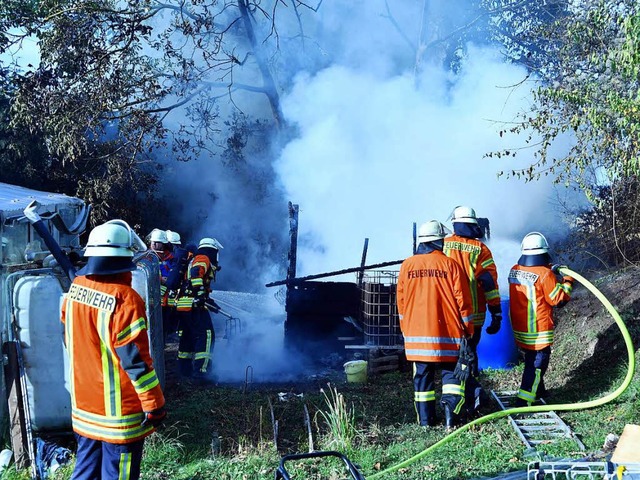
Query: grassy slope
point(588, 361)
point(222, 433)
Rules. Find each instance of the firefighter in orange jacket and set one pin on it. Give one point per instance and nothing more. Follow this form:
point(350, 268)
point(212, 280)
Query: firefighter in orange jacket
point(465, 247)
point(434, 304)
point(476, 259)
point(534, 289)
point(116, 398)
point(197, 336)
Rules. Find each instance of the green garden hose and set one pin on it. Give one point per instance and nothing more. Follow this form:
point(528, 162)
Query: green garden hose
point(541, 408)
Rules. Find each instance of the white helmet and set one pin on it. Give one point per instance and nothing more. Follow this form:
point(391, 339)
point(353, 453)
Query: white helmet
point(173, 237)
point(534, 243)
point(430, 231)
point(158, 235)
point(114, 238)
point(210, 243)
point(463, 214)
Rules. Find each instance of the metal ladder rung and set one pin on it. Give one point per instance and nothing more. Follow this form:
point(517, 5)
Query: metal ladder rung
point(551, 434)
point(544, 427)
point(536, 421)
point(550, 429)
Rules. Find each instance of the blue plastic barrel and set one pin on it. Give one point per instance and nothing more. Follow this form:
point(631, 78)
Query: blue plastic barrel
point(498, 351)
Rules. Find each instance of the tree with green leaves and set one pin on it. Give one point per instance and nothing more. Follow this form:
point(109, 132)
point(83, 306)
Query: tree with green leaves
point(586, 63)
point(118, 83)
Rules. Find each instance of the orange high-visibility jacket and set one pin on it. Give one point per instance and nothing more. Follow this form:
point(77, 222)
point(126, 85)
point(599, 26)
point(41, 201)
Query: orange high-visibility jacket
point(533, 292)
point(200, 274)
point(112, 377)
point(435, 308)
point(477, 262)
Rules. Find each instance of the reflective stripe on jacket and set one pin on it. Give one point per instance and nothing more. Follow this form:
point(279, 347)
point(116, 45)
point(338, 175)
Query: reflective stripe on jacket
point(477, 261)
point(112, 376)
point(435, 308)
point(533, 292)
point(197, 284)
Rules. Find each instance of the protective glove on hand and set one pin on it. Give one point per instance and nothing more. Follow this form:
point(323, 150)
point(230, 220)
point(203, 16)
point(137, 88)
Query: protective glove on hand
point(466, 358)
point(154, 418)
point(556, 268)
point(213, 306)
point(31, 212)
point(199, 302)
point(494, 326)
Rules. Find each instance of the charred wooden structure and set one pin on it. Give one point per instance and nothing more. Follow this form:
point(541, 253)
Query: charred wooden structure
point(325, 317)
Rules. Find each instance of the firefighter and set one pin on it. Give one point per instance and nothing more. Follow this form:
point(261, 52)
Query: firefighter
point(157, 238)
point(173, 238)
point(434, 305)
point(465, 247)
point(116, 398)
point(172, 257)
point(195, 328)
point(476, 259)
point(160, 245)
point(535, 287)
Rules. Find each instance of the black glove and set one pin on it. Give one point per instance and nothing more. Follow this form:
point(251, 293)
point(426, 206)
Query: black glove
point(212, 305)
point(154, 418)
point(199, 302)
point(494, 326)
point(556, 268)
point(466, 358)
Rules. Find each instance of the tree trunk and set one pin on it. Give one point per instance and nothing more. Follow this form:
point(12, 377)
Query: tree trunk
point(268, 82)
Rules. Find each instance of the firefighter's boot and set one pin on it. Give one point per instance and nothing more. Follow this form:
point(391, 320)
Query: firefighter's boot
point(429, 419)
point(450, 418)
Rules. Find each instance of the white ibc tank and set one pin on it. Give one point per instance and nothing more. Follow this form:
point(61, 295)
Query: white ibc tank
point(146, 282)
point(37, 301)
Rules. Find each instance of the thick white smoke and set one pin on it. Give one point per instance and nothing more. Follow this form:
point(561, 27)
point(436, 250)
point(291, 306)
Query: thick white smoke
point(376, 154)
point(382, 143)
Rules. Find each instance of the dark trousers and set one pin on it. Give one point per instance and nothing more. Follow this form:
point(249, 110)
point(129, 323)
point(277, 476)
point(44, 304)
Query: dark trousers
point(169, 321)
point(473, 389)
point(473, 343)
point(532, 387)
point(424, 390)
point(96, 460)
point(197, 339)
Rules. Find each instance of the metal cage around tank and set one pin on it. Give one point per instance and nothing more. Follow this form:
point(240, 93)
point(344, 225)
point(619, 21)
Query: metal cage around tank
point(379, 313)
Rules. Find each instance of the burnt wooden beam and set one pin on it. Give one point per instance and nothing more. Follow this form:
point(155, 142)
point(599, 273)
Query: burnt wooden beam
point(363, 262)
point(294, 281)
point(293, 240)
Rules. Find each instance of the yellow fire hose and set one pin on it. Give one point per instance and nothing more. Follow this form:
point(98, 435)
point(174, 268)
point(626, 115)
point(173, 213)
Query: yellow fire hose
point(541, 408)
